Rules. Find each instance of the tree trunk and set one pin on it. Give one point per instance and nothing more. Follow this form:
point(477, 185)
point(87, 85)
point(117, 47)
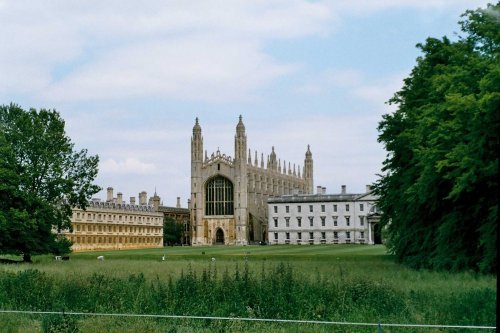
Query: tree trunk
point(27, 257)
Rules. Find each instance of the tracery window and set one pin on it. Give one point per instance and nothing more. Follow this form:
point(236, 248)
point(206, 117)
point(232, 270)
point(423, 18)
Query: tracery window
point(219, 197)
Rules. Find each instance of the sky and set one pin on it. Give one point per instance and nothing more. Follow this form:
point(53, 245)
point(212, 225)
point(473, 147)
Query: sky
point(130, 77)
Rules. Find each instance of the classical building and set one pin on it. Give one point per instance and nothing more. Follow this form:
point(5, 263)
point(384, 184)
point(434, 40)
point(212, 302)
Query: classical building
point(229, 194)
point(324, 218)
point(114, 224)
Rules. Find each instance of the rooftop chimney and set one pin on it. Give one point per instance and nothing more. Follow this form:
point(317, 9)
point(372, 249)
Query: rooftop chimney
point(368, 188)
point(318, 189)
point(343, 189)
point(178, 202)
point(323, 190)
point(143, 198)
point(119, 197)
point(132, 200)
point(110, 194)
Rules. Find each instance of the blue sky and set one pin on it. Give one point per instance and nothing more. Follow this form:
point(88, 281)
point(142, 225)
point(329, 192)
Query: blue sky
point(130, 77)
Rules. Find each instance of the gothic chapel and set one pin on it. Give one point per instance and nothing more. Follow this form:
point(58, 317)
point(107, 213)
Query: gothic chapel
point(229, 195)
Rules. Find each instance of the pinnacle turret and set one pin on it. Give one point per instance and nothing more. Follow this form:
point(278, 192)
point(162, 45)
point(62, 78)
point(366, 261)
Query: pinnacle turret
point(272, 160)
point(240, 128)
point(308, 170)
point(196, 143)
point(240, 143)
point(308, 152)
point(196, 127)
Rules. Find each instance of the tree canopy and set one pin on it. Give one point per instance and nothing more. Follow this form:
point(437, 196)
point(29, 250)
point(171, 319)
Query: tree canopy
point(172, 231)
point(42, 178)
point(439, 188)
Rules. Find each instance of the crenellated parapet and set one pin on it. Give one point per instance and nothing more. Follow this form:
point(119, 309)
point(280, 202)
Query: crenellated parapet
point(118, 206)
point(216, 158)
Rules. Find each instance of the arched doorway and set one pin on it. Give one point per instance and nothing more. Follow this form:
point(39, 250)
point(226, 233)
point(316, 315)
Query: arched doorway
point(219, 236)
point(377, 234)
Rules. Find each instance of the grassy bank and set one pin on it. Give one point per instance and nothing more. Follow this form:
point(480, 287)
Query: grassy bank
point(326, 283)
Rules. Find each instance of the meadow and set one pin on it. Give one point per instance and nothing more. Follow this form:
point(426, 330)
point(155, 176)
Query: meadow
point(341, 283)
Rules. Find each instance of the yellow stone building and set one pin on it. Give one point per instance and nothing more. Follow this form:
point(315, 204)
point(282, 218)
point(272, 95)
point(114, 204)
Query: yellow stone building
point(114, 224)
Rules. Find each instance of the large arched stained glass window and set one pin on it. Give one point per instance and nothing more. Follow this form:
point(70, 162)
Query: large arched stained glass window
point(219, 197)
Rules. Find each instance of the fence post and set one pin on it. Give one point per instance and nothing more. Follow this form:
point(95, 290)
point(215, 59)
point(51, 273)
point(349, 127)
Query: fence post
point(379, 327)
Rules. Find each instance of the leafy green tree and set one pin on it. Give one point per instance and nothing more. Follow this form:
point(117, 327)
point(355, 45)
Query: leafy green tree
point(172, 231)
point(42, 178)
point(439, 190)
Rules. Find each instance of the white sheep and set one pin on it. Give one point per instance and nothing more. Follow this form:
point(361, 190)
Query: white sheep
point(101, 258)
point(213, 259)
point(58, 257)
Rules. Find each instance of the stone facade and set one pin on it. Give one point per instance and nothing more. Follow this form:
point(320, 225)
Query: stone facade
point(229, 195)
point(114, 225)
point(324, 218)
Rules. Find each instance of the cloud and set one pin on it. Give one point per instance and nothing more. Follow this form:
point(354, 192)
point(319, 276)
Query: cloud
point(354, 83)
point(369, 6)
point(197, 68)
point(323, 82)
point(94, 50)
point(129, 166)
point(380, 90)
point(198, 50)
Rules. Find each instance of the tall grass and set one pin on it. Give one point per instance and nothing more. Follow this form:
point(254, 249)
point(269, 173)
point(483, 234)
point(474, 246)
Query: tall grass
point(331, 288)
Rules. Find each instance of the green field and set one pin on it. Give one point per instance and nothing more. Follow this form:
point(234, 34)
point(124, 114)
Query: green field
point(341, 283)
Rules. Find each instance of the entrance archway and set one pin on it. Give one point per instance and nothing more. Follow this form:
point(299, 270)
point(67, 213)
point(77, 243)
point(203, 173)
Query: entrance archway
point(219, 236)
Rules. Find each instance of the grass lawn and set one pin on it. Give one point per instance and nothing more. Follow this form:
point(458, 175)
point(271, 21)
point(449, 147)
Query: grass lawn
point(359, 283)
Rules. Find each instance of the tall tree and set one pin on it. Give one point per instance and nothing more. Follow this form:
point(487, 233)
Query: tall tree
point(172, 231)
point(439, 190)
point(42, 178)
